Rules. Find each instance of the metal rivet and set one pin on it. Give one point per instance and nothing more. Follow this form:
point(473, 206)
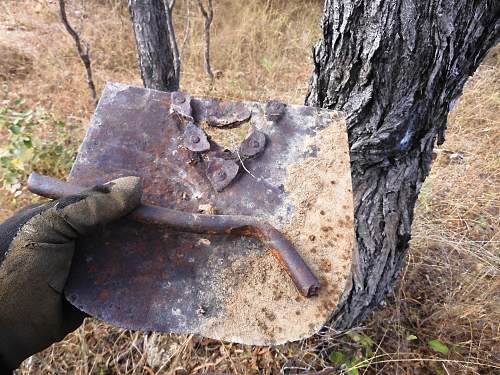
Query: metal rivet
point(195, 138)
point(253, 144)
point(179, 99)
point(220, 175)
point(220, 172)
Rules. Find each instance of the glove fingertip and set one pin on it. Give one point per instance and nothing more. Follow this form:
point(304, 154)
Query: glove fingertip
point(128, 190)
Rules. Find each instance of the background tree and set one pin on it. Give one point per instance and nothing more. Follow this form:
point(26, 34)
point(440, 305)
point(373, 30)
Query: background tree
point(208, 15)
point(396, 68)
point(82, 48)
point(169, 8)
point(156, 60)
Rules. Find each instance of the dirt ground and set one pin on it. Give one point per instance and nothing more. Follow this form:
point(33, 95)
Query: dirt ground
point(442, 318)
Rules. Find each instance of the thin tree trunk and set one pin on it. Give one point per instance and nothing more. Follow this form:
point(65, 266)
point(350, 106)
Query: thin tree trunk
point(153, 44)
point(83, 50)
point(186, 28)
point(208, 15)
point(396, 68)
point(169, 8)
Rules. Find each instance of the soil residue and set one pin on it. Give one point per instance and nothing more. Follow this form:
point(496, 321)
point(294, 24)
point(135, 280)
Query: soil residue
point(264, 306)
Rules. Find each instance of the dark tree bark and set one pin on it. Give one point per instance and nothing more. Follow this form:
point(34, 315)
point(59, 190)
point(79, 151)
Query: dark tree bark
point(156, 60)
point(396, 68)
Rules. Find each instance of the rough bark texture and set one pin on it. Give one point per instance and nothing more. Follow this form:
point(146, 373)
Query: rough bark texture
point(396, 68)
point(153, 44)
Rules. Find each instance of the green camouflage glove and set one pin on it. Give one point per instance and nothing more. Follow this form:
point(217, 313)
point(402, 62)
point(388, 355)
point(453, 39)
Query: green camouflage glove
point(36, 249)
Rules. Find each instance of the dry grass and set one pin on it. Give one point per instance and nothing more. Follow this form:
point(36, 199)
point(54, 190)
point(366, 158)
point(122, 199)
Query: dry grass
point(14, 64)
point(450, 286)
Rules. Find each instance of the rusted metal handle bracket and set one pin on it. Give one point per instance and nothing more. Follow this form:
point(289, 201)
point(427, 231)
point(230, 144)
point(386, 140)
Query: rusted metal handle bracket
point(303, 278)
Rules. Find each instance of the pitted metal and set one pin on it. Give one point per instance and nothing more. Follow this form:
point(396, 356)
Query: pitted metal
point(220, 113)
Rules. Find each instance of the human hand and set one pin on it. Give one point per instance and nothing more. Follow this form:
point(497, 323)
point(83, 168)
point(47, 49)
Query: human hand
point(36, 249)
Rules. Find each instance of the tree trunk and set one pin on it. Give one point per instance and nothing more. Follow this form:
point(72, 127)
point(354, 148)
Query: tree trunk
point(153, 44)
point(395, 68)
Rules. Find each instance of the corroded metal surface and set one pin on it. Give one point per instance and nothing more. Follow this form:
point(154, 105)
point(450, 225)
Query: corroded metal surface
point(149, 277)
point(220, 113)
point(274, 110)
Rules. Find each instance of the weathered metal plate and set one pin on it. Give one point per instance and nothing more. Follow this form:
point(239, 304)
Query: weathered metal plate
point(148, 277)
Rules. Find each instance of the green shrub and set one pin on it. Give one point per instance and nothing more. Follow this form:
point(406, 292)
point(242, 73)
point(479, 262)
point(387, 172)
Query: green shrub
point(32, 141)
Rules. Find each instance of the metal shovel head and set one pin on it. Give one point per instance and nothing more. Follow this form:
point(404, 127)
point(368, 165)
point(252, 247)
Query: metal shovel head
point(286, 164)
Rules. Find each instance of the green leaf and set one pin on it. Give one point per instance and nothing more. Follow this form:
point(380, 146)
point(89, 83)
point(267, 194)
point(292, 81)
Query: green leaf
point(28, 142)
point(266, 63)
point(354, 365)
point(336, 357)
point(439, 347)
point(15, 129)
point(411, 337)
point(363, 340)
point(27, 148)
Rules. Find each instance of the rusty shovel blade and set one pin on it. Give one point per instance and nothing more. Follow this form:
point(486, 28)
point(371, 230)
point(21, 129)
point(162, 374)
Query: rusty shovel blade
point(278, 179)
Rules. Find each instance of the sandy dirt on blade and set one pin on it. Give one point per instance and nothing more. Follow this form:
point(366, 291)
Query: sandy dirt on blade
point(264, 299)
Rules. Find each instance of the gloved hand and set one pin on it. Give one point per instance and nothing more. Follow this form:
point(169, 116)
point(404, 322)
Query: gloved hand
point(36, 249)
